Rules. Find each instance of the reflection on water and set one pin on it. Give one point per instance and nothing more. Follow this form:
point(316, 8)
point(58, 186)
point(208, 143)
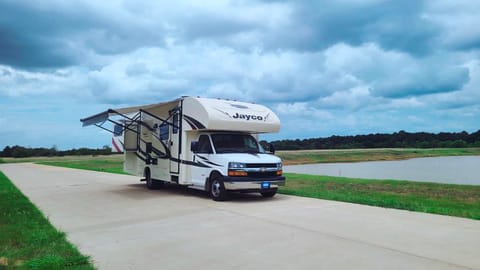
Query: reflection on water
point(452, 170)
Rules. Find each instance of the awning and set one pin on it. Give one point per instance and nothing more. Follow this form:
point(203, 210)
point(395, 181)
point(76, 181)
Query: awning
point(104, 116)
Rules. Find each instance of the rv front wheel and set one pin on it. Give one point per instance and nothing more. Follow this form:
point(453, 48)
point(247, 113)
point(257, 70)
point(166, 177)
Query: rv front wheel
point(268, 194)
point(217, 189)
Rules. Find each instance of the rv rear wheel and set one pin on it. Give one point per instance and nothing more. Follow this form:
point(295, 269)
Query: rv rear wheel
point(217, 188)
point(152, 184)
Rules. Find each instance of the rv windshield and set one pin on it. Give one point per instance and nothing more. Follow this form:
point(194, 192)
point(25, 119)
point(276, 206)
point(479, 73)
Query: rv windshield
point(235, 143)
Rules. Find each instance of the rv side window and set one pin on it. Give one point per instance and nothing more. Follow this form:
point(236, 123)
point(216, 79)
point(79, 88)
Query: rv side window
point(204, 145)
point(117, 130)
point(175, 123)
point(164, 130)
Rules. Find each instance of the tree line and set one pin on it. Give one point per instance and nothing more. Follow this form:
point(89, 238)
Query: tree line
point(401, 139)
point(20, 151)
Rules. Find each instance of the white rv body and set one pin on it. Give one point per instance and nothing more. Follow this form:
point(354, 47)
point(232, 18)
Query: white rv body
point(206, 144)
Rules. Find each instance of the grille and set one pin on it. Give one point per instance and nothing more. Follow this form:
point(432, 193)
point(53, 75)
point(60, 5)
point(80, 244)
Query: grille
point(261, 165)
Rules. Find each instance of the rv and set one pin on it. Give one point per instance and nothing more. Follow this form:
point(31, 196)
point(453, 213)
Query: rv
point(202, 143)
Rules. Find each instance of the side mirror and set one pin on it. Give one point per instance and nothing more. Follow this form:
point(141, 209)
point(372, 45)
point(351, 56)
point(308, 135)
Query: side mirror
point(148, 147)
point(271, 148)
point(194, 147)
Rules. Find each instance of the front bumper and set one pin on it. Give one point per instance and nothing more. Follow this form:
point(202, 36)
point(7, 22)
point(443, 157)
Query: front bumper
point(252, 184)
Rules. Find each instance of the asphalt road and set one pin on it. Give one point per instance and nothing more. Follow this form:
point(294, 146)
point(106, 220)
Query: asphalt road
point(122, 225)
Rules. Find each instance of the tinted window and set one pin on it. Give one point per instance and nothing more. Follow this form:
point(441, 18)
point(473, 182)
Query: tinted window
point(164, 130)
point(117, 130)
point(175, 123)
point(204, 145)
point(234, 143)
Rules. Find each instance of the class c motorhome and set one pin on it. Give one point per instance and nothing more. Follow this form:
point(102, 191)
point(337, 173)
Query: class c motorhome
point(202, 143)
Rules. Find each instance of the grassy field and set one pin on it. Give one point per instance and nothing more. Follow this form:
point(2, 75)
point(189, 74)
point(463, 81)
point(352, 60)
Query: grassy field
point(101, 165)
point(444, 199)
point(357, 155)
point(28, 240)
point(118, 158)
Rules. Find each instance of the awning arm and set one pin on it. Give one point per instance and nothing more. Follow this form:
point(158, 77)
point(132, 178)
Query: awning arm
point(97, 118)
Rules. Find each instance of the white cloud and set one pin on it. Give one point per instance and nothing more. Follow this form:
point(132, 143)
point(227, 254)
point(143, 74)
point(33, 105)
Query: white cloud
point(459, 21)
point(395, 74)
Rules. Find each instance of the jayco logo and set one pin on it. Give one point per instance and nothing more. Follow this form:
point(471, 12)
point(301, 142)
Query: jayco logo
point(248, 117)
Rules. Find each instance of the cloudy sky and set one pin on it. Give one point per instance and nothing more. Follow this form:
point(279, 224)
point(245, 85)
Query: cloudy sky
point(325, 67)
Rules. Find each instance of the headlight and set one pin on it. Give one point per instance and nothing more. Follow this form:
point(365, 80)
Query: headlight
point(236, 169)
point(236, 165)
point(279, 169)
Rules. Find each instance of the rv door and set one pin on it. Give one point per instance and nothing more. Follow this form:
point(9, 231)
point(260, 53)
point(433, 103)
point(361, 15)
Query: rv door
point(175, 142)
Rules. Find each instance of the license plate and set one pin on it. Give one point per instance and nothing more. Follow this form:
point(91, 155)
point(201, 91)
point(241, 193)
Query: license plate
point(265, 185)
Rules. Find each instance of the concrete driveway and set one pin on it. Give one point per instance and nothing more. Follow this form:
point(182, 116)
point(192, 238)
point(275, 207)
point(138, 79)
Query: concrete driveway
point(122, 225)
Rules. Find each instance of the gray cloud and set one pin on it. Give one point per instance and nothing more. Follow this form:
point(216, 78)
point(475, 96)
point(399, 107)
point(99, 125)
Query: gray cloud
point(55, 34)
point(394, 25)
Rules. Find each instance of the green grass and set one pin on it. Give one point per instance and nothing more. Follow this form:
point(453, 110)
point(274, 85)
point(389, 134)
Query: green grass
point(444, 199)
point(28, 240)
point(357, 155)
point(62, 158)
point(100, 165)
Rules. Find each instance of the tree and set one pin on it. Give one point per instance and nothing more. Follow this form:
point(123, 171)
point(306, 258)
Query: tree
point(7, 152)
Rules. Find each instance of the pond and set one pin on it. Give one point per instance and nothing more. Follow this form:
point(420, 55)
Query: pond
point(451, 170)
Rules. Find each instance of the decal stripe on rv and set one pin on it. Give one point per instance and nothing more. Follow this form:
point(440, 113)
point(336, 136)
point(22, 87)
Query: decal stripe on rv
point(194, 123)
point(116, 146)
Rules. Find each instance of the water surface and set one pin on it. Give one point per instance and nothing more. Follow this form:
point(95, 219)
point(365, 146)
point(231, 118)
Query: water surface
point(452, 170)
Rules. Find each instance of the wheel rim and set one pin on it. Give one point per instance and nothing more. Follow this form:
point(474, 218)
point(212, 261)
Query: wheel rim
point(216, 188)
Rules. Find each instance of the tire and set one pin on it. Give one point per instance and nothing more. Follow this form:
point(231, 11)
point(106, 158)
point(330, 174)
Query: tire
point(268, 194)
point(217, 188)
point(152, 184)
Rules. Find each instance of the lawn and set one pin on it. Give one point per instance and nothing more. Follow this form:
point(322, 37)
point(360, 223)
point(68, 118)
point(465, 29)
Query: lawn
point(28, 240)
point(444, 199)
point(101, 165)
